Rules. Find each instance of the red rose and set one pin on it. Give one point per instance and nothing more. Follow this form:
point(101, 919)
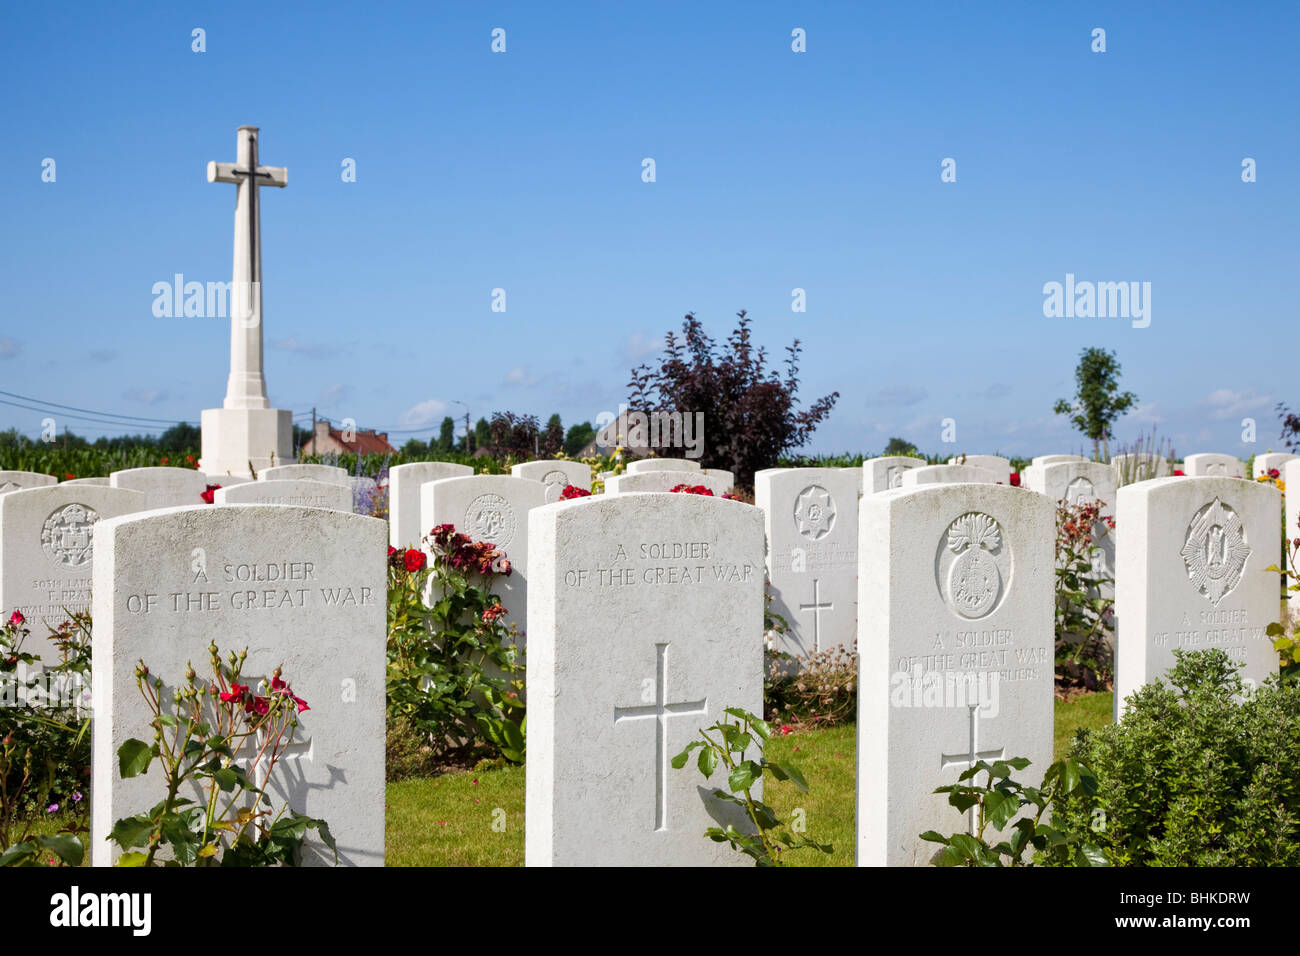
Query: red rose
point(414, 560)
point(391, 551)
point(236, 693)
point(1015, 479)
point(1179, 473)
point(164, 461)
point(258, 706)
point(1274, 473)
point(68, 477)
point(573, 491)
point(208, 494)
point(16, 619)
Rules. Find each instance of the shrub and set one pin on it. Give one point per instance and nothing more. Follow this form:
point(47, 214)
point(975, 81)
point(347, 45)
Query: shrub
point(1195, 775)
point(822, 693)
point(1085, 624)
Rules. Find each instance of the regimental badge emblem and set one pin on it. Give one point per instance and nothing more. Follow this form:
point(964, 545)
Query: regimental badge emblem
point(1080, 492)
point(814, 512)
point(1216, 550)
point(555, 482)
point(490, 518)
point(68, 536)
point(894, 475)
point(973, 552)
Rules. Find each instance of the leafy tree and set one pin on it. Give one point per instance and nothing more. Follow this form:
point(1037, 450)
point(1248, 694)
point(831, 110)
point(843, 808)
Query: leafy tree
point(447, 435)
point(1097, 401)
point(750, 415)
point(415, 449)
point(899, 446)
point(482, 435)
point(577, 438)
point(511, 434)
point(180, 437)
point(551, 441)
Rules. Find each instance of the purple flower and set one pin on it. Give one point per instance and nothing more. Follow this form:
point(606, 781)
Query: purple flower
point(52, 808)
point(76, 797)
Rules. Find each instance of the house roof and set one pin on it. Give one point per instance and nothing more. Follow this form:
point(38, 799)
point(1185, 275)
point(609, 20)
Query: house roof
point(363, 442)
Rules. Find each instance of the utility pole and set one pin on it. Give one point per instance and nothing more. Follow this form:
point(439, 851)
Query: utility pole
point(313, 429)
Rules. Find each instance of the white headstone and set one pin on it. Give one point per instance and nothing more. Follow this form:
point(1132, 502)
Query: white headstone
point(330, 473)
point(555, 475)
point(47, 547)
point(163, 487)
point(646, 623)
point(812, 560)
point(102, 482)
point(947, 475)
point(302, 493)
point(1054, 459)
point(1190, 575)
point(1141, 467)
point(301, 588)
point(1211, 465)
point(18, 480)
point(662, 464)
point(404, 481)
point(246, 432)
point(1268, 461)
point(999, 466)
point(666, 481)
point(955, 655)
point(490, 508)
point(881, 474)
point(1291, 530)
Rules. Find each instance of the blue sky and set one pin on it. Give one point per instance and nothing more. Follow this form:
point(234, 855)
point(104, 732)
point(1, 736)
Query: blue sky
point(775, 170)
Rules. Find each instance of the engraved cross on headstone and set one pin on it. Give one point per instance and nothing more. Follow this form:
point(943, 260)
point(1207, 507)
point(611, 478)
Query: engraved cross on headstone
point(660, 710)
point(246, 387)
point(817, 609)
point(972, 755)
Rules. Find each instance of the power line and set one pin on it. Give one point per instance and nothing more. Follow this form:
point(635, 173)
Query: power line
point(82, 418)
point(89, 411)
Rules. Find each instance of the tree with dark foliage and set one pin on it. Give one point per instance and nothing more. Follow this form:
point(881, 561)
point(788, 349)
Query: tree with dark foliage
point(1290, 426)
point(750, 413)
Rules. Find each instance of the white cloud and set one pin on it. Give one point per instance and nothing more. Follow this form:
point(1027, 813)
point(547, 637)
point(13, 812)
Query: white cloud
point(519, 376)
point(640, 347)
point(146, 396)
point(1225, 403)
point(426, 413)
point(898, 395)
point(291, 344)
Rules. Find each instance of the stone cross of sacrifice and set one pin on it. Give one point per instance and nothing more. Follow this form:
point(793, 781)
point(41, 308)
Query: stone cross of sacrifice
point(969, 759)
point(246, 387)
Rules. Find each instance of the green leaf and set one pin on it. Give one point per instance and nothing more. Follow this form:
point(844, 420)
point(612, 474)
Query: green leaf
point(743, 777)
point(790, 771)
point(708, 762)
point(132, 831)
point(17, 852)
point(131, 859)
point(1000, 808)
point(226, 779)
point(679, 761)
point(1089, 855)
point(133, 758)
point(65, 846)
point(934, 837)
point(1069, 775)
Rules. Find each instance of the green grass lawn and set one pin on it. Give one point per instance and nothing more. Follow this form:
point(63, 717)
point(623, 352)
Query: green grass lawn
point(476, 818)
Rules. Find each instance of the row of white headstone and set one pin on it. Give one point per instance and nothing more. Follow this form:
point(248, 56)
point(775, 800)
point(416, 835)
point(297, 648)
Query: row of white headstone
point(959, 577)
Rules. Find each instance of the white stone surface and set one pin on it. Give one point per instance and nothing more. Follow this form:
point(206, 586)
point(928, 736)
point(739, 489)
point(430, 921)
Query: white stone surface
point(163, 487)
point(1190, 575)
point(229, 481)
point(302, 493)
point(644, 465)
point(246, 430)
point(947, 475)
point(810, 519)
point(999, 466)
point(18, 480)
point(490, 508)
point(101, 482)
point(960, 587)
point(1081, 482)
point(404, 481)
point(303, 589)
point(1213, 465)
point(881, 474)
point(1144, 467)
point(666, 481)
point(645, 625)
point(1270, 460)
point(555, 475)
point(1054, 459)
point(48, 545)
point(1291, 530)
point(329, 473)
